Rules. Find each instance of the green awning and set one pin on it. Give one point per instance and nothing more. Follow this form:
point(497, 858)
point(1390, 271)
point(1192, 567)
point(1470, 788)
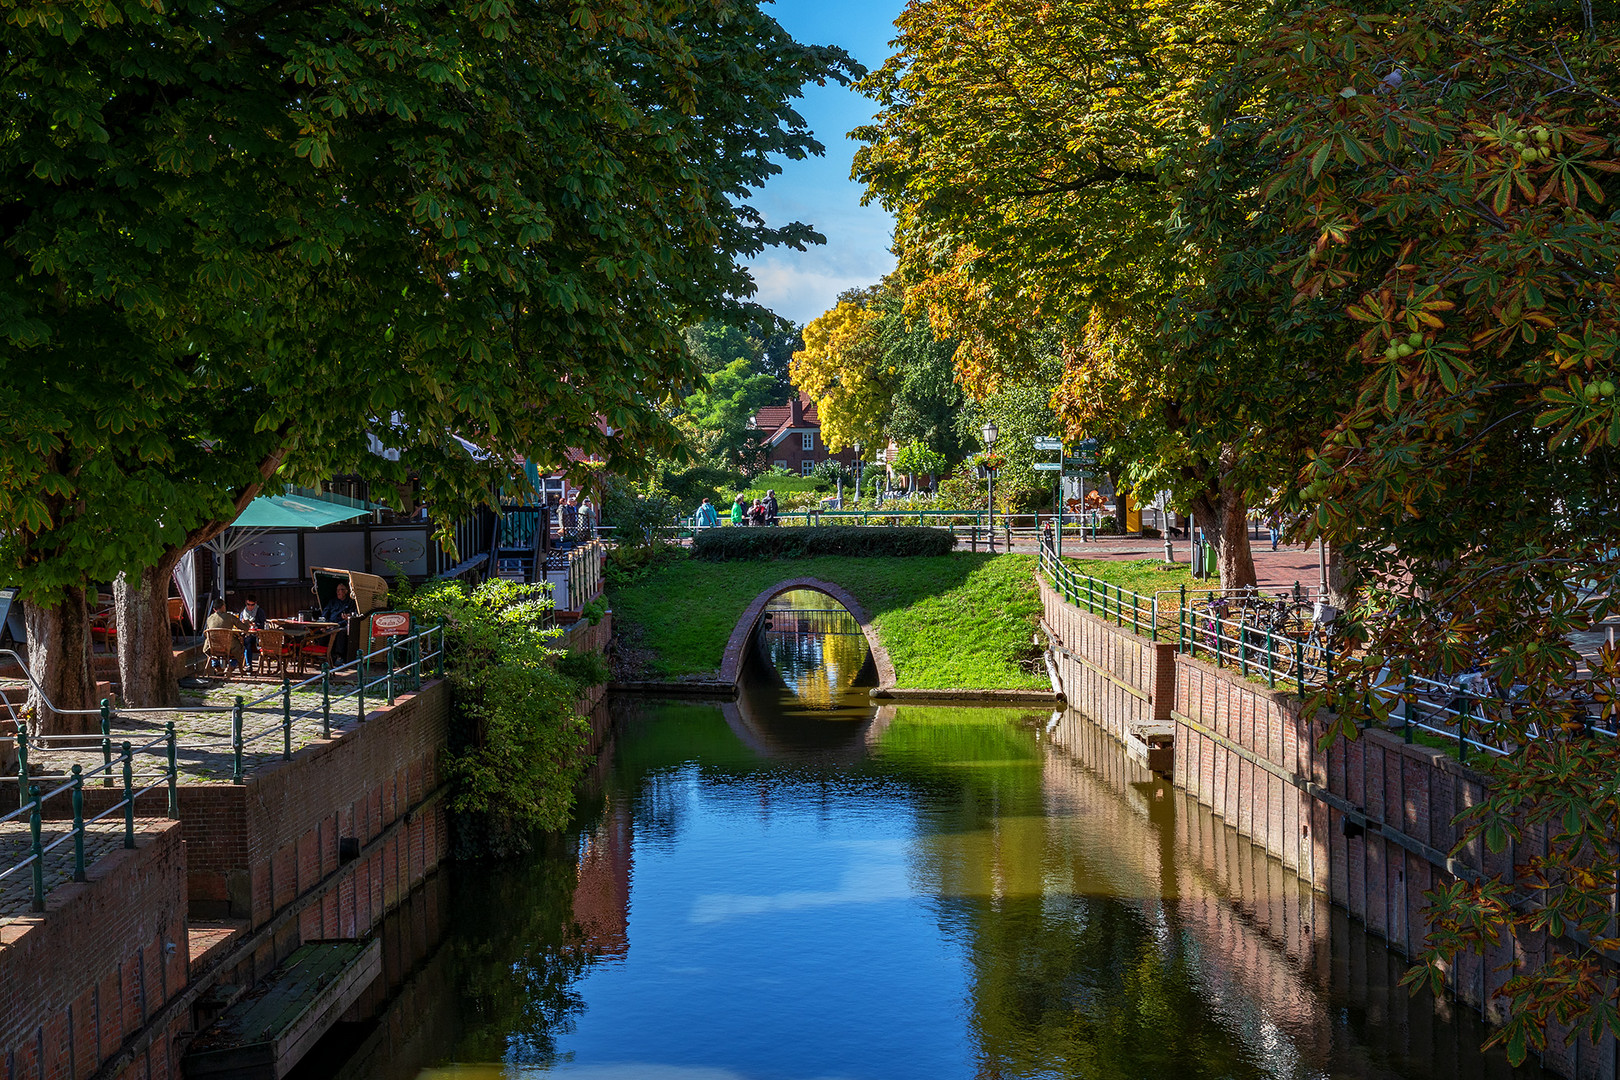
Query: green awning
point(297, 512)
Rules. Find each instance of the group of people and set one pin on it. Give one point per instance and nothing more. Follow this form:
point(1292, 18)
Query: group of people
point(245, 645)
point(578, 518)
point(762, 512)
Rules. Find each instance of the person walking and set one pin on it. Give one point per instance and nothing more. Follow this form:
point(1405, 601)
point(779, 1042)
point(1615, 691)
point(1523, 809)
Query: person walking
point(1274, 524)
point(587, 518)
point(770, 507)
point(739, 511)
point(706, 517)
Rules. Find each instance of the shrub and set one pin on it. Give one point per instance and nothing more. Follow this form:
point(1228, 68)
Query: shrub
point(724, 545)
point(626, 565)
point(584, 669)
point(517, 747)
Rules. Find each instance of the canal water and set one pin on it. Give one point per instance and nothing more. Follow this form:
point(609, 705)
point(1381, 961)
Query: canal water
point(798, 885)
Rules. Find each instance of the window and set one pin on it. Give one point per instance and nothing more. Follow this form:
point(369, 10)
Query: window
point(781, 463)
point(808, 465)
point(808, 440)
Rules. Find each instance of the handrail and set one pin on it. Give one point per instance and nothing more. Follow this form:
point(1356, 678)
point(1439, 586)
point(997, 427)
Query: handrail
point(1114, 600)
point(402, 668)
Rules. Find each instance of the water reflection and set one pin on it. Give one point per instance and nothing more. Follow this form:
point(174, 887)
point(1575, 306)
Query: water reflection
point(921, 892)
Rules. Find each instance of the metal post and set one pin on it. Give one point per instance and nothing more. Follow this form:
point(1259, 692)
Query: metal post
point(22, 758)
point(1409, 699)
point(1299, 664)
point(129, 796)
point(1243, 648)
point(416, 661)
point(326, 701)
point(106, 734)
point(990, 482)
point(174, 771)
point(1271, 658)
point(38, 849)
point(1462, 729)
point(1181, 622)
point(360, 690)
point(389, 677)
point(78, 823)
point(236, 740)
point(1155, 616)
point(439, 663)
point(286, 718)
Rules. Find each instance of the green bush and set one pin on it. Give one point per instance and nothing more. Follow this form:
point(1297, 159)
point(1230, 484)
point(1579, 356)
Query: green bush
point(517, 748)
point(723, 545)
point(630, 564)
point(585, 669)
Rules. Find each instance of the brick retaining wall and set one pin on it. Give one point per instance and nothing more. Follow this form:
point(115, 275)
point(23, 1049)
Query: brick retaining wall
point(1246, 753)
point(1120, 680)
point(104, 957)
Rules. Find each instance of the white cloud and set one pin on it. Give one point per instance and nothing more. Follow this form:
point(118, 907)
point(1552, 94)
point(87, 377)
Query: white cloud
point(882, 876)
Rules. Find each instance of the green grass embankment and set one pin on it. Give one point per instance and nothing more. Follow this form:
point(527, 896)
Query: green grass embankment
point(958, 621)
point(1144, 576)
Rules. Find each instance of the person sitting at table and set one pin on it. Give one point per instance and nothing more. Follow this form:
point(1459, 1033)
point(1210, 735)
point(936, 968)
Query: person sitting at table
point(338, 611)
point(221, 619)
point(252, 619)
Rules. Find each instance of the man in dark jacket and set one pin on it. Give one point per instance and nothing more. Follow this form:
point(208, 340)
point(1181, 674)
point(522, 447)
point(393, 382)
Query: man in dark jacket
point(770, 508)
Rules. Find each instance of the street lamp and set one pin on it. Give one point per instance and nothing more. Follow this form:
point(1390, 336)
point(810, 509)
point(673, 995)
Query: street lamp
point(989, 433)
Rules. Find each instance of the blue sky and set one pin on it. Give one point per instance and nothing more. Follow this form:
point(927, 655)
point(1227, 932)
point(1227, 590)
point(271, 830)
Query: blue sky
point(801, 285)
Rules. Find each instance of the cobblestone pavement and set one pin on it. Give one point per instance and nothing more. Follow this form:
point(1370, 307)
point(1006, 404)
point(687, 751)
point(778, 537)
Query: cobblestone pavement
point(17, 888)
point(203, 738)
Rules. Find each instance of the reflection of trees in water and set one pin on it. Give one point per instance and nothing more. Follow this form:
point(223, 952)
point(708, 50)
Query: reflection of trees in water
point(518, 953)
point(1072, 973)
point(819, 667)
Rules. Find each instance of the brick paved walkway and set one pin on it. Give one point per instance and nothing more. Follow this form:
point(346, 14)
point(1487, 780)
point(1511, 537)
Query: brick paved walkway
point(204, 738)
point(16, 889)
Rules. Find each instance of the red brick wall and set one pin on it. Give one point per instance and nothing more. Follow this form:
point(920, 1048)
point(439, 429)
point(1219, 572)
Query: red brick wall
point(1404, 797)
point(265, 843)
point(87, 974)
point(1101, 664)
point(1244, 752)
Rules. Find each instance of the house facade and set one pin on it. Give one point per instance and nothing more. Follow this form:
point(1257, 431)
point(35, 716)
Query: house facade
point(791, 434)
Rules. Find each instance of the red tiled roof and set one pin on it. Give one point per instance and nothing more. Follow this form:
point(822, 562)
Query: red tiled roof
point(773, 418)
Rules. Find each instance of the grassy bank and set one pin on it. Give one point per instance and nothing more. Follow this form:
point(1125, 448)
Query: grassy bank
point(1145, 576)
point(949, 622)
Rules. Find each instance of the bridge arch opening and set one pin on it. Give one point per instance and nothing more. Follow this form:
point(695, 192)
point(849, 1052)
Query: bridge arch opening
point(762, 610)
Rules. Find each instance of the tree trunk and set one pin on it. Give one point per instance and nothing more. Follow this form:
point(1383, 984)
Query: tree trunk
point(1225, 522)
point(59, 660)
point(1233, 555)
point(1341, 579)
point(146, 665)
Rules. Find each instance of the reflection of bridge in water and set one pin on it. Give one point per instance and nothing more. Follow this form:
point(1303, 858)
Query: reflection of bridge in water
point(804, 621)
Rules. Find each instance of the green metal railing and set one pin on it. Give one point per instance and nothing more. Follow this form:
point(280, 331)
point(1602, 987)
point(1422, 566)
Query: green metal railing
point(381, 674)
point(1103, 598)
point(31, 803)
point(970, 526)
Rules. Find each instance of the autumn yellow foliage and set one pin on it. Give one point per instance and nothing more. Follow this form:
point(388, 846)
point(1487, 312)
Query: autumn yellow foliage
point(840, 367)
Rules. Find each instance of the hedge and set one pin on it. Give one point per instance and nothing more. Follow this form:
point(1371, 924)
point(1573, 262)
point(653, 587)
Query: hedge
point(733, 544)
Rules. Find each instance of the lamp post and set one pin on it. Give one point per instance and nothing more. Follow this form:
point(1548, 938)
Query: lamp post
point(989, 433)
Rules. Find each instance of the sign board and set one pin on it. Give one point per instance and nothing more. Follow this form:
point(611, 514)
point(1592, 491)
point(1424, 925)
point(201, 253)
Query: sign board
point(390, 624)
point(1082, 462)
point(1048, 442)
point(1087, 446)
point(1048, 466)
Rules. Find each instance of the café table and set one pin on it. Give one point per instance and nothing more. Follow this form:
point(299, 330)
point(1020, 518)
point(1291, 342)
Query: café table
point(302, 633)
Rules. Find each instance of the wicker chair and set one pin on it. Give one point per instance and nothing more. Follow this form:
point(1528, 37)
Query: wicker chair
point(273, 650)
point(222, 647)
